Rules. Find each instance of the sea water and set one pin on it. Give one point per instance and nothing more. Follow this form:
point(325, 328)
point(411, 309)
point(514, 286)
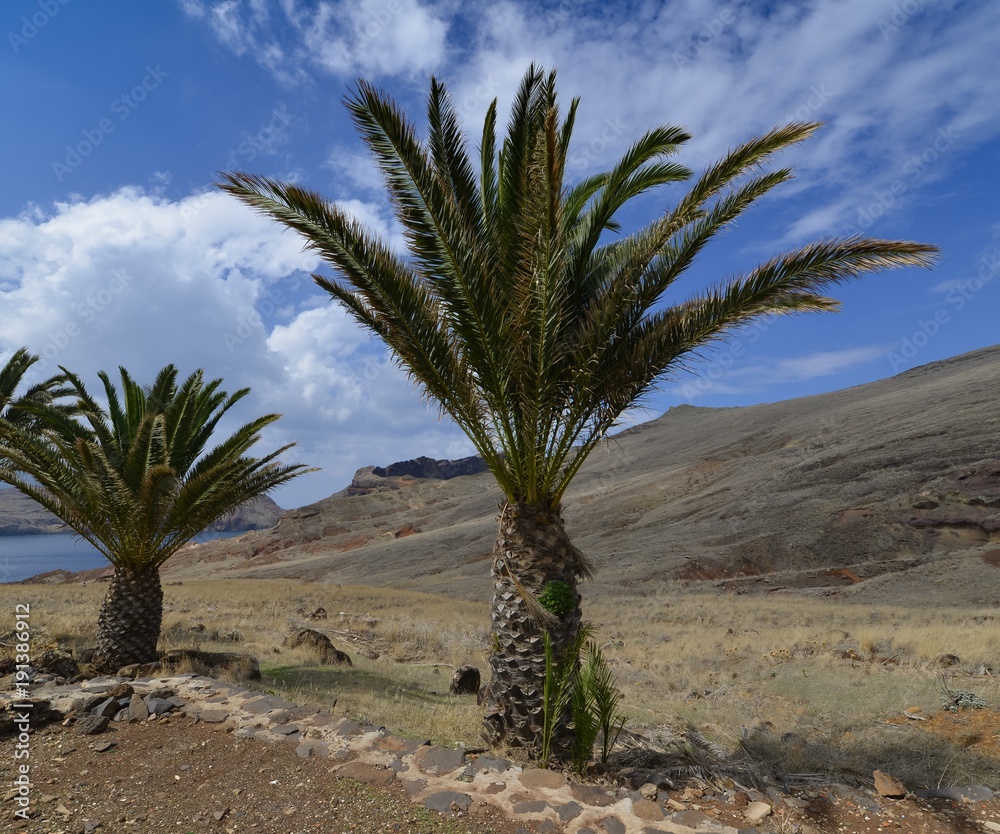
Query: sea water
point(24, 556)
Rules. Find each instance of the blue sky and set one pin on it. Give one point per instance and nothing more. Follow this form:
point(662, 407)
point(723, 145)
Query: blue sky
point(115, 247)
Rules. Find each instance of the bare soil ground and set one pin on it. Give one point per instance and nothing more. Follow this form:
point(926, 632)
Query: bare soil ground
point(179, 776)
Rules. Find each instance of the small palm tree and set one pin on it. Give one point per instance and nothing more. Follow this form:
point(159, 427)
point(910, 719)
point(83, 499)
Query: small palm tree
point(135, 481)
point(523, 315)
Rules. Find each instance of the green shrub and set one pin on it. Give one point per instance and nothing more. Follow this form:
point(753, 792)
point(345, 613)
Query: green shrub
point(558, 597)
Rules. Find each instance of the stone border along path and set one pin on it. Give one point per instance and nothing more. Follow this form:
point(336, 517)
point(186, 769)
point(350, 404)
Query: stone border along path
point(440, 778)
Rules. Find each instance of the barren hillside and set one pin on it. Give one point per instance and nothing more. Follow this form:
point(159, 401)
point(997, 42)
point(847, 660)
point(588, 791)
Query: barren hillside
point(891, 485)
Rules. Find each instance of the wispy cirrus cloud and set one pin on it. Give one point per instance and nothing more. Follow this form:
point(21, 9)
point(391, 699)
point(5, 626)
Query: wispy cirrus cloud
point(294, 40)
point(719, 374)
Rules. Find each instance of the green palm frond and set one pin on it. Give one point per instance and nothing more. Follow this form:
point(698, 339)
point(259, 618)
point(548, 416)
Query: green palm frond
point(137, 479)
point(520, 310)
point(14, 408)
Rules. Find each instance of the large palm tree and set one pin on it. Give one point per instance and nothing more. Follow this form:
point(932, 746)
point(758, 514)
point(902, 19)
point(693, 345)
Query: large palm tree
point(533, 325)
point(135, 480)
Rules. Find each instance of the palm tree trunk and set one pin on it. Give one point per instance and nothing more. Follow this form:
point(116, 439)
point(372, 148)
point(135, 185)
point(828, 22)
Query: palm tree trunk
point(532, 549)
point(128, 626)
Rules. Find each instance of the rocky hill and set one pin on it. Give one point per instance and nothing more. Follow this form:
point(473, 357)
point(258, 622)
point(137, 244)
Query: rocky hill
point(890, 487)
point(20, 516)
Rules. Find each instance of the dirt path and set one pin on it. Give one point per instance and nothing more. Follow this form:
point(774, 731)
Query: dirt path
point(185, 777)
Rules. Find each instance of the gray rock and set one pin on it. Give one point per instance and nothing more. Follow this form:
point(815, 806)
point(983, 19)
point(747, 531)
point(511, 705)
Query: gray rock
point(592, 795)
point(137, 709)
point(309, 749)
point(91, 725)
point(487, 762)
point(265, 704)
point(969, 793)
point(569, 811)
point(447, 802)
point(159, 706)
point(108, 708)
point(436, 760)
point(161, 692)
point(860, 799)
point(612, 825)
point(86, 703)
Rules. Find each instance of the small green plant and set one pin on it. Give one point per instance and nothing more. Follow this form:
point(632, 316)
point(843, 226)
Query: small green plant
point(955, 699)
point(557, 691)
point(961, 699)
point(586, 724)
point(558, 597)
point(588, 690)
point(604, 698)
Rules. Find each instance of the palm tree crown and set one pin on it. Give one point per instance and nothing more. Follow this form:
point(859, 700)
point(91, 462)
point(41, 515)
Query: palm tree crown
point(530, 327)
point(134, 480)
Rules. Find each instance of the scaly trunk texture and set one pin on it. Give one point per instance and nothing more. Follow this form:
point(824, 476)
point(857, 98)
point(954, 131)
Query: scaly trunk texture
point(129, 623)
point(532, 549)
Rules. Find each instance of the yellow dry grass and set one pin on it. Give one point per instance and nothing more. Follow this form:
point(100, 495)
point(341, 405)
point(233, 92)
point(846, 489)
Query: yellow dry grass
point(808, 684)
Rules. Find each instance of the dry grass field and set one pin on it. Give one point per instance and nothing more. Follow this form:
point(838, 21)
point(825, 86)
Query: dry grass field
point(810, 687)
